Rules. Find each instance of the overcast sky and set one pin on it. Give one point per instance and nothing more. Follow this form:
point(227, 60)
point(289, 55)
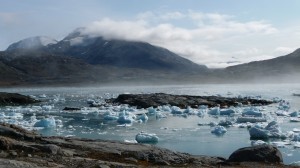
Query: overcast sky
point(211, 32)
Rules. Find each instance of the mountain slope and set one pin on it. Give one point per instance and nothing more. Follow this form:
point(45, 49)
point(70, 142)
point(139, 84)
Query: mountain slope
point(287, 66)
point(32, 43)
point(120, 53)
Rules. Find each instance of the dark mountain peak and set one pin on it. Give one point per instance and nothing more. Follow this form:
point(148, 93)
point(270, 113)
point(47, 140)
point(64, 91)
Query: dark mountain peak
point(31, 43)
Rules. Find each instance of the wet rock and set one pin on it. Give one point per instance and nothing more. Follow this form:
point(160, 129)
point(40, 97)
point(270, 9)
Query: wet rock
point(182, 101)
point(71, 109)
point(15, 99)
point(260, 153)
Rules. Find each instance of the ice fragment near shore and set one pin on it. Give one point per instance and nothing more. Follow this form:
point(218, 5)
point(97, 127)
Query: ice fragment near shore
point(143, 137)
point(272, 130)
point(46, 123)
point(219, 130)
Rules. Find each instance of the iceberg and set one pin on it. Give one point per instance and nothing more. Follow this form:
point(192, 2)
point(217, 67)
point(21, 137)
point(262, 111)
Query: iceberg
point(252, 111)
point(284, 105)
point(294, 114)
point(250, 119)
point(257, 142)
point(225, 123)
point(176, 110)
point(189, 111)
point(294, 119)
point(143, 117)
point(46, 123)
point(227, 112)
point(272, 130)
point(124, 119)
point(214, 111)
point(143, 137)
point(219, 130)
point(151, 110)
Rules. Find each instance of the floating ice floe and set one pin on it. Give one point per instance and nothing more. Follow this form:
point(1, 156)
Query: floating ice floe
point(214, 111)
point(42, 96)
point(227, 112)
point(160, 115)
point(294, 114)
point(219, 130)
point(282, 113)
point(46, 123)
point(294, 119)
point(272, 130)
point(190, 111)
point(110, 116)
point(143, 117)
point(257, 142)
point(151, 110)
point(250, 119)
point(252, 111)
point(284, 105)
point(143, 137)
point(225, 123)
point(176, 110)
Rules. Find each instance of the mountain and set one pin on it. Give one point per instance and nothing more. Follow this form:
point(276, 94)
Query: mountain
point(282, 68)
point(125, 54)
point(32, 43)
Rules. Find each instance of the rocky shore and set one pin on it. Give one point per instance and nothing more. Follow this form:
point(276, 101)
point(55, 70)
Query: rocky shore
point(22, 148)
point(182, 101)
point(15, 99)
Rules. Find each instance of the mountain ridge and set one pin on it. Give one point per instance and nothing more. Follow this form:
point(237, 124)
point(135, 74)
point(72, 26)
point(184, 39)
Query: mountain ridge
point(79, 59)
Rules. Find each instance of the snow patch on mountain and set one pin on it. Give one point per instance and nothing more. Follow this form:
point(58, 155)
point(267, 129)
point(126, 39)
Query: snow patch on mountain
point(32, 43)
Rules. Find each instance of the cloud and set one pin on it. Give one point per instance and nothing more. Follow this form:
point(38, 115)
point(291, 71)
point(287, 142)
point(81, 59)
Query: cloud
point(284, 50)
point(200, 42)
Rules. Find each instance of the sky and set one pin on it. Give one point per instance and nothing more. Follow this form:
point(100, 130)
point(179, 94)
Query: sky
point(211, 32)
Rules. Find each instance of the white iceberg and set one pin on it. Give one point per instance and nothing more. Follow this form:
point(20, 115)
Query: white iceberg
point(252, 111)
point(46, 123)
point(143, 137)
point(176, 110)
point(272, 130)
point(258, 142)
point(219, 130)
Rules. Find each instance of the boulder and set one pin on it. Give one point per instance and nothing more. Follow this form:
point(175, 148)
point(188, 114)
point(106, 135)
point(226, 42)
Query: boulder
point(260, 153)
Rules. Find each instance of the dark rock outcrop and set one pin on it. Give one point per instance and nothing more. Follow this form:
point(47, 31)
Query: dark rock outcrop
point(182, 101)
point(11, 99)
point(17, 150)
point(260, 153)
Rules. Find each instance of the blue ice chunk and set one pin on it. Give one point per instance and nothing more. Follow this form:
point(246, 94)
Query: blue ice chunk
point(219, 130)
point(143, 137)
point(46, 122)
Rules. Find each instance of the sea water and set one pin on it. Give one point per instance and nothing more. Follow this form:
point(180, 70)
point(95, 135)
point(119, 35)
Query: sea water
point(175, 132)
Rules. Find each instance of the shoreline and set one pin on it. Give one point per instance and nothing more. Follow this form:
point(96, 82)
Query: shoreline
point(21, 147)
